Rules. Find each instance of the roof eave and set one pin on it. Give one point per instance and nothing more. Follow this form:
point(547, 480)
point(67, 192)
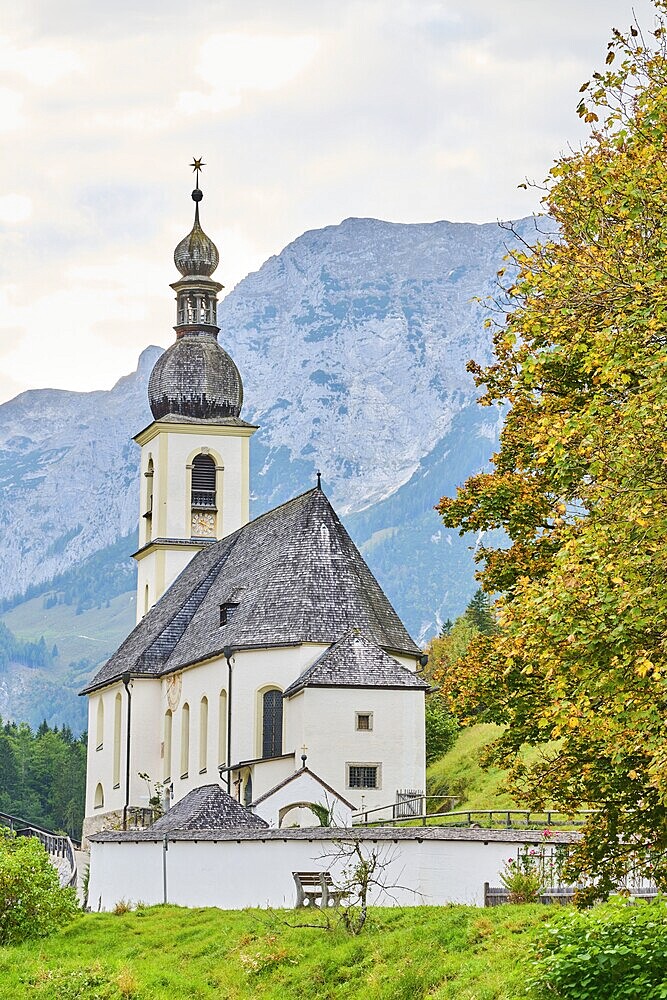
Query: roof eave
point(290, 692)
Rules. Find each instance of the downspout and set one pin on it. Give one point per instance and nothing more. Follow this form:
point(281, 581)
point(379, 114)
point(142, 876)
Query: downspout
point(126, 678)
point(228, 652)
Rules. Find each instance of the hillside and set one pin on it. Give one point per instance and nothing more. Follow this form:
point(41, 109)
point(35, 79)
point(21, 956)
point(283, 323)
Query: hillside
point(167, 952)
point(460, 773)
point(352, 343)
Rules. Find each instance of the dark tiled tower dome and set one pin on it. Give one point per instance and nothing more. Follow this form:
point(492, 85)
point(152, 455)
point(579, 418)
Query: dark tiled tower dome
point(195, 377)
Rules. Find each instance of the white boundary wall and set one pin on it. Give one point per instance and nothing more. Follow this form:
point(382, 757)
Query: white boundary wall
point(429, 867)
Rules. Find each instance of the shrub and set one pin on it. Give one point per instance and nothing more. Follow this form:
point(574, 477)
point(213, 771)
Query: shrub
point(522, 879)
point(618, 951)
point(534, 869)
point(32, 903)
point(442, 729)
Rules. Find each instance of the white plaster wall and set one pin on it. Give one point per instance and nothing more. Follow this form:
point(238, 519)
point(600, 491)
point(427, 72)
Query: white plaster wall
point(253, 670)
point(238, 874)
point(303, 788)
point(172, 451)
point(145, 738)
point(322, 719)
point(159, 568)
point(270, 772)
point(99, 765)
point(144, 751)
point(396, 741)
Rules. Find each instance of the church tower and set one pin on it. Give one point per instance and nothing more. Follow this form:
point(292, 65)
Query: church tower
point(195, 455)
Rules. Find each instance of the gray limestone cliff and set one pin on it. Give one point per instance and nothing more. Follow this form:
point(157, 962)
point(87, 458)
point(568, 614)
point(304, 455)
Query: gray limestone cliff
point(352, 344)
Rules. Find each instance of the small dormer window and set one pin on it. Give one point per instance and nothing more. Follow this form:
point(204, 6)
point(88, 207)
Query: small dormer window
point(227, 612)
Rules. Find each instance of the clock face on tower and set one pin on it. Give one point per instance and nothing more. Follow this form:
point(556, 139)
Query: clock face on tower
point(203, 524)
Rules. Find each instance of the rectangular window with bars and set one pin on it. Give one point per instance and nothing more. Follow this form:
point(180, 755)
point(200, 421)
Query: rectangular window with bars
point(363, 775)
point(364, 721)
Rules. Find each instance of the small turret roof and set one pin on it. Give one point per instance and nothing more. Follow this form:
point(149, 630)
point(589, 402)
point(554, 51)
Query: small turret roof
point(196, 254)
point(207, 808)
point(354, 661)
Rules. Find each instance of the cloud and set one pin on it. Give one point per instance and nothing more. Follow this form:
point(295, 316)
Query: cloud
point(15, 208)
point(42, 65)
point(306, 113)
point(236, 63)
point(11, 109)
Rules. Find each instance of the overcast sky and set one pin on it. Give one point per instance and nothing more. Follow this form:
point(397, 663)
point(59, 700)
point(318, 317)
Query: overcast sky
point(306, 112)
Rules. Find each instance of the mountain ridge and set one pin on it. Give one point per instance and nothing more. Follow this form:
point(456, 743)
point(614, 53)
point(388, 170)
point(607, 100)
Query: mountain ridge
point(352, 343)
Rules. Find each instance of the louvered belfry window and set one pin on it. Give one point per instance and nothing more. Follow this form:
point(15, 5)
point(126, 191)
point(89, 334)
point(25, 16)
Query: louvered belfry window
point(203, 482)
point(272, 724)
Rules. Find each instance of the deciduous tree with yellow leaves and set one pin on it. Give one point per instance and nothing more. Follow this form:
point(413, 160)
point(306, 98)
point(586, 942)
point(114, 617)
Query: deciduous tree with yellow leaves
point(580, 482)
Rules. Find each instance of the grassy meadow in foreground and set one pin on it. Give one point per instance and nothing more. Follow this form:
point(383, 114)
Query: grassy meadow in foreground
point(167, 952)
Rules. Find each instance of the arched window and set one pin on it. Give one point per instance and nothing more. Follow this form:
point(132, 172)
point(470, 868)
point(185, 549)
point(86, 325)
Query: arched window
point(222, 728)
point(203, 734)
point(146, 599)
point(117, 724)
point(166, 752)
point(203, 482)
point(99, 732)
point(185, 740)
point(99, 796)
point(272, 723)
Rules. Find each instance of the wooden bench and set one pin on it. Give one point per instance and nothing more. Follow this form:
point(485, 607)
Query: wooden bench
point(316, 889)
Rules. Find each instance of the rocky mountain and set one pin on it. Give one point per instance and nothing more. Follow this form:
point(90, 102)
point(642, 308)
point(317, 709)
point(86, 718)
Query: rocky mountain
point(352, 343)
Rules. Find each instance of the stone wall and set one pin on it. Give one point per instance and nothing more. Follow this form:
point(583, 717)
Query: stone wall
point(112, 820)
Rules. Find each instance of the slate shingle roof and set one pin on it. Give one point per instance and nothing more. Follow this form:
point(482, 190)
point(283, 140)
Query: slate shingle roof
point(353, 661)
point(207, 808)
point(296, 576)
point(195, 377)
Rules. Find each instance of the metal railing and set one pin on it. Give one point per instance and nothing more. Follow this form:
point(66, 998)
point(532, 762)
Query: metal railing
point(203, 498)
point(56, 845)
point(511, 819)
point(406, 807)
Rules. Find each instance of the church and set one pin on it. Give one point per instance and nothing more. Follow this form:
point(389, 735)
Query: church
point(265, 652)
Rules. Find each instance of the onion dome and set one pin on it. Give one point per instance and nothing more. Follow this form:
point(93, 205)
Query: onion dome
point(196, 253)
point(196, 378)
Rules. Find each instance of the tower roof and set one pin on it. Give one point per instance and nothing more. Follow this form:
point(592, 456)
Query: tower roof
point(293, 575)
point(196, 253)
point(195, 377)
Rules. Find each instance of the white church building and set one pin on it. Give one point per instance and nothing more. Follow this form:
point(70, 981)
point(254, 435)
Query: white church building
point(266, 660)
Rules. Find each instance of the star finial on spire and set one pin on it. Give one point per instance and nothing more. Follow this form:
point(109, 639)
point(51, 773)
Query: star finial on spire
point(197, 165)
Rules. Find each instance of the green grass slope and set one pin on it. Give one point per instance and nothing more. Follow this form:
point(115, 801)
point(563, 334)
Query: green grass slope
point(166, 952)
point(84, 640)
point(92, 634)
point(460, 773)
